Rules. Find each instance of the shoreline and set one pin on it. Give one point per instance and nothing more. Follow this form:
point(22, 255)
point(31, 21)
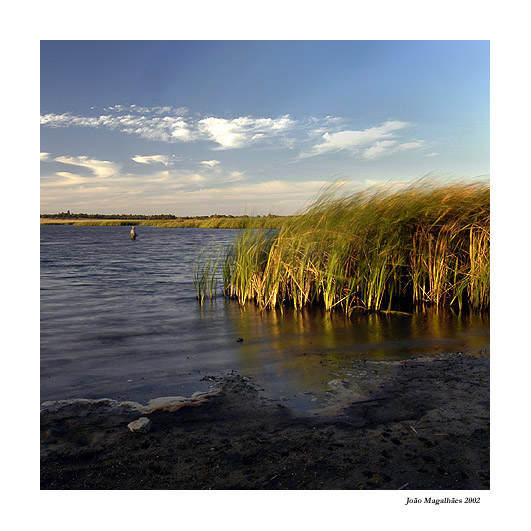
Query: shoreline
point(207, 222)
point(425, 427)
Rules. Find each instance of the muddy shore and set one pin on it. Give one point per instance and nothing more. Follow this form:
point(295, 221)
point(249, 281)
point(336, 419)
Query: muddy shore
point(424, 426)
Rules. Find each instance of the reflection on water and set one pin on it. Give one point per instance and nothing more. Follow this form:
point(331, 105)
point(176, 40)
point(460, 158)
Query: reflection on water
point(304, 350)
point(120, 319)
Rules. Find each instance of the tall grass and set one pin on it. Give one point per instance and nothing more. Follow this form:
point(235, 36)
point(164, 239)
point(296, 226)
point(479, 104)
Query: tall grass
point(380, 249)
point(204, 276)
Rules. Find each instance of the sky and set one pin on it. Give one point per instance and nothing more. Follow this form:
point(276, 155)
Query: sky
point(253, 127)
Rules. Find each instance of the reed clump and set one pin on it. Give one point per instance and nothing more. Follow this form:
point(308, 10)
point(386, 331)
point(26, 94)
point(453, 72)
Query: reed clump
point(380, 249)
point(204, 276)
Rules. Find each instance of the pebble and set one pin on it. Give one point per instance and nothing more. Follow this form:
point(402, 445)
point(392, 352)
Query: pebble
point(141, 425)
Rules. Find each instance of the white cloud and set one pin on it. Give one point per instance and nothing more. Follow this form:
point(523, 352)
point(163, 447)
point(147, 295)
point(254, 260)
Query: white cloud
point(411, 145)
point(210, 163)
point(180, 131)
point(242, 131)
point(151, 125)
point(66, 178)
point(388, 147)
point(99, 168)
point(354, 140)
point(149, 159)
point(45, 156)
point(104, 192)
point(432, 154)
point(378, 149)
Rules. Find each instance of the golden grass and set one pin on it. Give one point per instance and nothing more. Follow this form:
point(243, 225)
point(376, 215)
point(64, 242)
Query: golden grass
point(379, 249)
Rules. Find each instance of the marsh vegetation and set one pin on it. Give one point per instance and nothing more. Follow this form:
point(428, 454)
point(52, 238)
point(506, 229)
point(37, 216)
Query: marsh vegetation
point(203, 222)
point(380, 249)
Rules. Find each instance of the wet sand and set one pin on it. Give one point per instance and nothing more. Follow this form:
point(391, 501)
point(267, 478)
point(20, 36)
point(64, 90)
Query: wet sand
point(424, 426)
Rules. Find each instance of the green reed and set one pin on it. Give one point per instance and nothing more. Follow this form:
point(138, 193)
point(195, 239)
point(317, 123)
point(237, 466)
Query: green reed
point(427, 244)
point(204, 276)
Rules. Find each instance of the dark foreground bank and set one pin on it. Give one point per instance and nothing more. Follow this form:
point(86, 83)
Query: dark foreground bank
point(426, 427)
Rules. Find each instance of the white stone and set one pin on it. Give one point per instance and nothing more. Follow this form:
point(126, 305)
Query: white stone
point(141, 425)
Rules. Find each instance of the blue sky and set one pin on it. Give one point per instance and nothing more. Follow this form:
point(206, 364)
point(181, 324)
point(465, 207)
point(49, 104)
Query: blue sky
point(256, 127)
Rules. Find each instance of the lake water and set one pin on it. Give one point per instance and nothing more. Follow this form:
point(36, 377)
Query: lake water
point(120, 319)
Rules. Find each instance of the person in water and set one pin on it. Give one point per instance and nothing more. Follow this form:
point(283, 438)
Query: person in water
point(133, 234)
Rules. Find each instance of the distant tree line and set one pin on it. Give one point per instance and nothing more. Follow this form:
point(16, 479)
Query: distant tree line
point(72, 215)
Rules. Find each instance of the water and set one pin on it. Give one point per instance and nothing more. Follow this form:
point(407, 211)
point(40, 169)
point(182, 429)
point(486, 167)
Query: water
point(120, 319)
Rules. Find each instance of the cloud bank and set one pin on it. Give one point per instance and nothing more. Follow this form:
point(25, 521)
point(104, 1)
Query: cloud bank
point(165, 124)
point(313, 136)
point(79, 183)
point(153, 126)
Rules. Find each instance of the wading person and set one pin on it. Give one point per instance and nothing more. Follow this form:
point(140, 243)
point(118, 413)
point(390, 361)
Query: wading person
point(133, 234)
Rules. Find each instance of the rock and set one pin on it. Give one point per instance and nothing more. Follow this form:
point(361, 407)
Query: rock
point(174, 403)
point(141, 425)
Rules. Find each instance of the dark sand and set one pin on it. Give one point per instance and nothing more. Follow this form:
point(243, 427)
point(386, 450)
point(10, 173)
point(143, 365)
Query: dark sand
point(425, 427)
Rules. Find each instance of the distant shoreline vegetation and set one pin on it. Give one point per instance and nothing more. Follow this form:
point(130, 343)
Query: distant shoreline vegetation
point(383, 249)
point(215, 221)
